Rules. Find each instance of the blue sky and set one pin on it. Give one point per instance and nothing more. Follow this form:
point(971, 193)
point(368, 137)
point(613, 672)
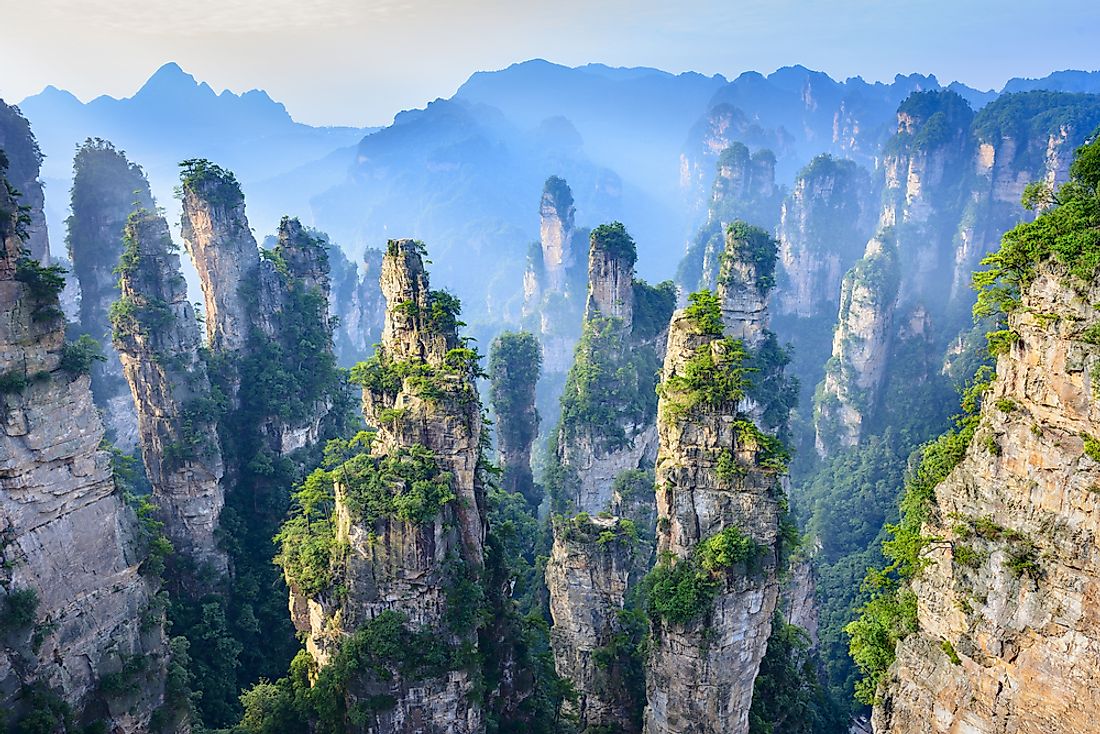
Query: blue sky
point(360, 61)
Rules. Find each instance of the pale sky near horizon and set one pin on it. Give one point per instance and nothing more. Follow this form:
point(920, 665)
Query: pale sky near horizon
point(359, 62)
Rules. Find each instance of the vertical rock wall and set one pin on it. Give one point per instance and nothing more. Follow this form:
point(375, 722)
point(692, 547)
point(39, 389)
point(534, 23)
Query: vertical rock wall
point(158, 341)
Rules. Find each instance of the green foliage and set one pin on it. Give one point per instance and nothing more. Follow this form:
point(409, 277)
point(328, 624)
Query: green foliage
point(514, 363)
point(653, 307)
point(939, 117)
point(613, 239)
point(1068, 234)
point(754, 246)
point(1091, 447)
point(406, 485)
point(1091, 335)
point(307, 540)
point(727, 469)
point(1001, 341)
point(714, 378)
point(609, 386)
point(770, 386)
point(682, 590)
point(45, 283)
point(211, 182)
point(888, 618)
point(20, 607)
point(704, 310)
point(949, 651)
point(77, 357)
point(788, 697)
point(771, 453)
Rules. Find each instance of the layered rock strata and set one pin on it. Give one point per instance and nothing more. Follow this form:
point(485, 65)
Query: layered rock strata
point(78, 613)
point(855, 373)
point(158, 341)
point(408, 561)
point(106, 189)
point(1009, 638)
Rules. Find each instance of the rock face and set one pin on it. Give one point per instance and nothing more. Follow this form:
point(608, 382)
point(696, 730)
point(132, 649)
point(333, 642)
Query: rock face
point(357, 304)
point(220, 243)
point(744, 188)
point(591, 568)
point(24, 160)
point(701, 672)
point(553, 282)
point(513, 373)
point(855, 372)
point(157, 338)
point(106, 188)
point(76, 607)
point(407, 562)
point(823, 225)
point(1009, 638)
point(718, 484)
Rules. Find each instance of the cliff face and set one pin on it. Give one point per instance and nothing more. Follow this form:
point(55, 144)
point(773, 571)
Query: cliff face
point(78, 615)
point(855, 372)
point(409, 517)
point(717, 517)
point(220, 243)
point(357, 303)
point(513, 373)
point(553, 282)
point(106, 188)
point(24, 162)
point(744, 188)
point(823, 225)
point(1009, 638)
point(592, 565)
point(157, 338)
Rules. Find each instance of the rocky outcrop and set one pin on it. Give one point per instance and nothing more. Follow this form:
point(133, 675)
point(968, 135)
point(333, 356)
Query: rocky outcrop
point(79, 619)
point(410, 516)
point(823, 225)
point(1008, 637)
point(357, 304)
point(106, 189)
point(854, 374)
point(592, 565)
point(556, 213)
point(553, 281)
point(24, 161)
point(513, 373)
point(593, 452)
point(157, 338)
point(718, 508)
point(220, 243)
point(744, 188)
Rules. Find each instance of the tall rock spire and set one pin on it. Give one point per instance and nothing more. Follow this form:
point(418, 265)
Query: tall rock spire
point(157, 338)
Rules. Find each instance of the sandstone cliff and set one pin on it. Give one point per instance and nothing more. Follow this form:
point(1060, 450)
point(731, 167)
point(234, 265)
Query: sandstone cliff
point(713, 593)
point(409, 520)
point(823, 225)
point(81, 625)
point(106, 188)
point(854, 374)
point(744, 188)
point(514, 363)
point(157, 338)
point(1008, 637)
point(24, 160)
